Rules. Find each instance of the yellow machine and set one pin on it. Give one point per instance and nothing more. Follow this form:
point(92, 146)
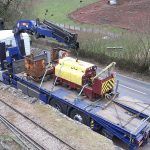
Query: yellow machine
point(73, 71)
point(82, 75)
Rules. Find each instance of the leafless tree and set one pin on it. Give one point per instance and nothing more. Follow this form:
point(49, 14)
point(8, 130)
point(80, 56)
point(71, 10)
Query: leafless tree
point(12, 10)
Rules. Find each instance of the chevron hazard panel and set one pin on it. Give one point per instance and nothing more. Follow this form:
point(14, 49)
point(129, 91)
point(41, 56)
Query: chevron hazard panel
point(108, 85)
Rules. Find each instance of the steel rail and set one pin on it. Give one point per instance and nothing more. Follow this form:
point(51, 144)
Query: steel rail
point(17, 130)
point(45, 130)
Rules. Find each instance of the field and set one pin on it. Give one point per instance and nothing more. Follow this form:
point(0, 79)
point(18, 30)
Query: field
point(128, 14)
point(134, 54)
point(58, 10)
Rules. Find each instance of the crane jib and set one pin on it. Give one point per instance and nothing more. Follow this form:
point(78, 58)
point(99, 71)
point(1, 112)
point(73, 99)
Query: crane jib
point(72, 36)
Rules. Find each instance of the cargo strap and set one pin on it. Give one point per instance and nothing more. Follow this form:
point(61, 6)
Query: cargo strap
point(136, 115)
point(81, 92)
point(82, 89)
point(47, 67)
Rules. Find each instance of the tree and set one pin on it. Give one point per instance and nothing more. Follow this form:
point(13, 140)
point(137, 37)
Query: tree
point(12, 10)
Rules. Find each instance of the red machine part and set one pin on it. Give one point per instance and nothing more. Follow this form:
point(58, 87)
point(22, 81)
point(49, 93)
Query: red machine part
point(99, 88)
point(102, 86)
point(89, 74)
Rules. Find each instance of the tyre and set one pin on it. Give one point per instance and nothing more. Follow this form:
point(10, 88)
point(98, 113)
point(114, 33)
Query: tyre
point(57, 105)
point(78, 116)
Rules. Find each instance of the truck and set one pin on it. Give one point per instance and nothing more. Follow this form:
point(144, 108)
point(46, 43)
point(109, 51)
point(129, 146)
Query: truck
point(74, 87)
point(7, 37)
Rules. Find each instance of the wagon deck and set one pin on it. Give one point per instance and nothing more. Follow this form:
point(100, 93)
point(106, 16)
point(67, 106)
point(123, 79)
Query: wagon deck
point(113, 113)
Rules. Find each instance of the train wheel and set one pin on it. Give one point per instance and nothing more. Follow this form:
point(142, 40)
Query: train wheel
point(78, 116)
point(57, 105)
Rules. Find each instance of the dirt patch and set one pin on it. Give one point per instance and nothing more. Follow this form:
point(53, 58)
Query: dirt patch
point(128, 14)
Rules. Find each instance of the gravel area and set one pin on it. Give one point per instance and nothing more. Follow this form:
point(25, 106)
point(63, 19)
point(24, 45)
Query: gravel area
point(73, 133)
point(32, 130)
point(8, 141)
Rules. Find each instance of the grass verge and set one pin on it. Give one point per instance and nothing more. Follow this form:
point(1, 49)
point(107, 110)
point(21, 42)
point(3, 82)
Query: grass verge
point(58, 10)
point(130, 51)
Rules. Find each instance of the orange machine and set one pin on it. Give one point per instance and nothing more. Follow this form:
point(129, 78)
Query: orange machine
point(34, 68)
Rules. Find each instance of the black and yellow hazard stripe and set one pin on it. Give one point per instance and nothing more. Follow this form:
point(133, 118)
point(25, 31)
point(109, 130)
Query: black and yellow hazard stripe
point(108, 85)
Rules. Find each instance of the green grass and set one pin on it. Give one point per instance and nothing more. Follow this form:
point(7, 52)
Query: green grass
point(134, 56)
point(58, 10)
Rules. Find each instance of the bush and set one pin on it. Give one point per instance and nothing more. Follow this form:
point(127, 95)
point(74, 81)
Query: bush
point(129, 50)
point(13, 10)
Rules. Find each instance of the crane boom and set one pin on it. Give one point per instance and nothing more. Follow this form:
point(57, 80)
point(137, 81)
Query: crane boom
point(42, 30)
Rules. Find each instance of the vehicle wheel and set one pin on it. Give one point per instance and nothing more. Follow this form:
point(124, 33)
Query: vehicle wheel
point(78, 116)
point(57, 105)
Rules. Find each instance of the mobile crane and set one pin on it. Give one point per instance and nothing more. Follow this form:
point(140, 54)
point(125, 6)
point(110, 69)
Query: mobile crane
point(132, 127)
point(39, 30)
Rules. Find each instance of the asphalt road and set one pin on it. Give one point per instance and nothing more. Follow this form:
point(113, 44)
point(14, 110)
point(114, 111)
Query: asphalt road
point(134, 88)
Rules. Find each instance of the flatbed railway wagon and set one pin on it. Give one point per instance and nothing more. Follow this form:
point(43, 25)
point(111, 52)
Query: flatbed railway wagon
point(112, 118)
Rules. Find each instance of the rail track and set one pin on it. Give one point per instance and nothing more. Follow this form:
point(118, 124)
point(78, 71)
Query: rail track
point(24, 138)
point(39, 137)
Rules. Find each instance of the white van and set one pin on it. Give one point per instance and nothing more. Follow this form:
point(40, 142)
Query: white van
point(7, 36)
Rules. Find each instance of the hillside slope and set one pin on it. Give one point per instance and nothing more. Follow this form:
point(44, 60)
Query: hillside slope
point(129, 14)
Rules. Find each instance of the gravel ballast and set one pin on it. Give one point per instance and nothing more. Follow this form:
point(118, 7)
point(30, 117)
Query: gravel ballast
point(77, 135)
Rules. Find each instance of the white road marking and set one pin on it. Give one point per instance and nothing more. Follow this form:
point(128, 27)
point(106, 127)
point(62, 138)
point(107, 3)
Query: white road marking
point(131, 78)
point(132, 89)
